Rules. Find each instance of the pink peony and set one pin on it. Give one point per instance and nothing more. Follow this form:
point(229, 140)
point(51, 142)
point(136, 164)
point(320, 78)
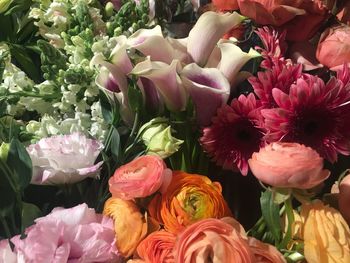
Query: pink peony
point(64, 159)
point(312, 113)
point(288, 165)
point(344, 198)
point(213, 240)
point(140, 178)
point(333, 49)
point(76, 234)
point(234, 134)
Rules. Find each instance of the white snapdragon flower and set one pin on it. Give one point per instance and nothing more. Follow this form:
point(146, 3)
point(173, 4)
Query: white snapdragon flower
point(64, 159)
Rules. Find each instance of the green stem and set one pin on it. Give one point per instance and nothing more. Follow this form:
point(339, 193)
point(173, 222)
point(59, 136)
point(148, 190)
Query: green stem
point(290, 216)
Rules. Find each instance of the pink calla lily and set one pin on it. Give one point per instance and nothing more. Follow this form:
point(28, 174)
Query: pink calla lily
point(203, 85)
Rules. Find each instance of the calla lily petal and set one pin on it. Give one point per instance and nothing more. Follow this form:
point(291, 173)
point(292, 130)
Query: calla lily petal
point(205, 84)
point(209, 28)
point(233, 59)
point(119, 56)
point(148, 41)
point(180, 49)
point(166, 80)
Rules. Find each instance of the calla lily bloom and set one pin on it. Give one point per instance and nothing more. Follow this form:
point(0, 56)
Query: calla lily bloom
point(203, 85)
point(206, 33)
point(119, 56)
point(166, 80)
point(148, 41)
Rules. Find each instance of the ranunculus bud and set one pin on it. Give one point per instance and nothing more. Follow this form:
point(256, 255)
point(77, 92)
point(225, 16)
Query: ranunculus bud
point(288, 165)
point(158, 138)
point(333, 49)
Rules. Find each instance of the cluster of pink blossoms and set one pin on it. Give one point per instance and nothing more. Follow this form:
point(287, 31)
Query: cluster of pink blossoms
point(288, 106)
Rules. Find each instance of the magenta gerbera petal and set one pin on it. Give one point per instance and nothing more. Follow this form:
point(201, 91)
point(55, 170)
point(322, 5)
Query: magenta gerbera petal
point(312, 113)
point(235, 134)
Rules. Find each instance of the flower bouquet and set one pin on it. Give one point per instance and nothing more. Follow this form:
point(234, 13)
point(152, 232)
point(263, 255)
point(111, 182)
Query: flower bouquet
point(174, 131)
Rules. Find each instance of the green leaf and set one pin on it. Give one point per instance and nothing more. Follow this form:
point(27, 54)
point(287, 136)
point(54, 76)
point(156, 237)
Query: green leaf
point(29, 213)
point(106, 107)
point(270, 212)
point(135, 98)
point(115, 144)
point(19, 160)
point(7, 190)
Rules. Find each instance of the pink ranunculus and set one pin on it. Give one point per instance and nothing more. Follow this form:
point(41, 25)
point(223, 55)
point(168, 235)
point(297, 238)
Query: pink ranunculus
point(288, 165)
point(333, 49)
point(265, 253)
point(140, 178)
point(212, 240)
point(344, 198)
point(64, 159)
point(70, 235)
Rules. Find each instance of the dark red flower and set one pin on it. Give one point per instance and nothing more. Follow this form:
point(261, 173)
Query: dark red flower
point(235, 133)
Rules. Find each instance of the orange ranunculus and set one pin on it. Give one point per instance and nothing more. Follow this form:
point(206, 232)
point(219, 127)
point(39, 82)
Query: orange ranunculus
point(326, 234)
point(300, 18)
point(189, 198)
point(333, 49)
point(265, 253)
point(225, 5)
point(157, 247)
point(213, 240)
point(130, 226)
point(344, 198)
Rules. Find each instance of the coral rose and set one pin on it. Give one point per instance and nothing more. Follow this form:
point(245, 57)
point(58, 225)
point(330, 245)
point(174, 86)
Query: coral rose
point(333, 49)
point(326, 234)
point(344, 198)
point(140, 178)
point(300, 18)
point(157, 247)
point(129, 224)
point(212, 240)
point(189, 198)
point(288, 165)
point(265, 253)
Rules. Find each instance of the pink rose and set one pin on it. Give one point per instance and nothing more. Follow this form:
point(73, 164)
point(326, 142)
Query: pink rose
point(140, 178)
point(288, 165)
point(265, 253)
point(344, 198)
point(76, 234)
point(212, 240)
point(333, 49)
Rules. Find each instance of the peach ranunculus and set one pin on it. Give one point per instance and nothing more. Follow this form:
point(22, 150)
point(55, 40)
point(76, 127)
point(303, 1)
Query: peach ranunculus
point(140, 178)
point(157, 247)
point(326, 234)
point(300, 18)
point(212, 240)
point(265, 253)
point(189, 198)
point(291, 165)
point(333, 49)
point(344, 198)
point(130, 226)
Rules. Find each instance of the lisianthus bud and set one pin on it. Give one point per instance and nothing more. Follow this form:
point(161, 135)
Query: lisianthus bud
point(4, 151)
point(4, 5)
point(157, 136)
point(109, 8)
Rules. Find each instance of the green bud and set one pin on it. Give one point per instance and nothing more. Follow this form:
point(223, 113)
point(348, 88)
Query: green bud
point(4, 150)
point(4, 5)
point(109, 8)
point(156, 135)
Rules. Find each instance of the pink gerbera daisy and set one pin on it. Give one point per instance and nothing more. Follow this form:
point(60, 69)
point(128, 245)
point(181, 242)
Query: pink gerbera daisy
point(235, 133)
point(312, 113)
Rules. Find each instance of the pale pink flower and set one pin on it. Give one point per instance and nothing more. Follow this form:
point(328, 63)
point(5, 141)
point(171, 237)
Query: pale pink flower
point(64, 159)
point(140, 178)
point(288, 165)
point(74, 235)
